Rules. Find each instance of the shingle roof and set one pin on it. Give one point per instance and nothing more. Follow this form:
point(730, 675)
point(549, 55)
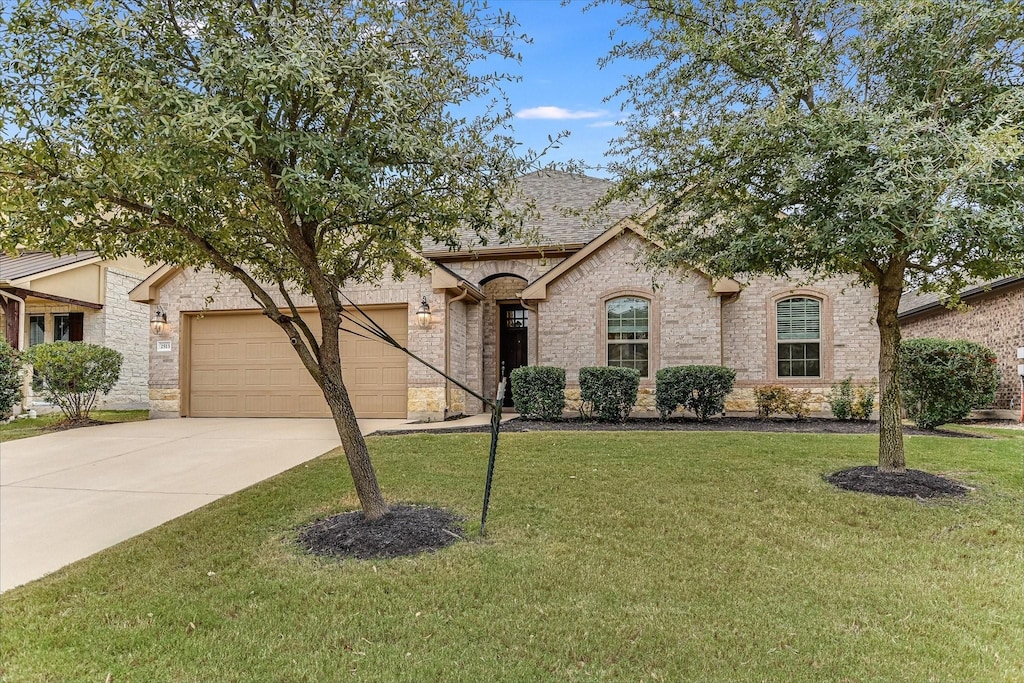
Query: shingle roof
point(555, 193)
point(913, 302)
point(30, 263)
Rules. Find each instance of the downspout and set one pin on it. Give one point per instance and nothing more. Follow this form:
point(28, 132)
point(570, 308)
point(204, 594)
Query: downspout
point(448, 342)
point(26, 388)
point(21, 318)
point(723, 299)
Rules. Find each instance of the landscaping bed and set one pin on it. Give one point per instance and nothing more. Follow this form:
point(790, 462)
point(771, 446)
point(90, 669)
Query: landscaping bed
point(811, 425)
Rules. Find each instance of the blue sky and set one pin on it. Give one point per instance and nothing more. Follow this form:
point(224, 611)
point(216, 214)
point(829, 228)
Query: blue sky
point(562, 86)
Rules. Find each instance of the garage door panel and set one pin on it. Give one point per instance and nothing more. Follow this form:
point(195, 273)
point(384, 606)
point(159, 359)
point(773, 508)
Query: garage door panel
point(242, 365)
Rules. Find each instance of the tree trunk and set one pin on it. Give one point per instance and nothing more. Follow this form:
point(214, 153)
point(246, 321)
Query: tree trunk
point(333, 385)
point(358, 456)
point(890, 426)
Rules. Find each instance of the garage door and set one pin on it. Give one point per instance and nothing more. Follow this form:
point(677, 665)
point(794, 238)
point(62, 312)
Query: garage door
point(242, 365)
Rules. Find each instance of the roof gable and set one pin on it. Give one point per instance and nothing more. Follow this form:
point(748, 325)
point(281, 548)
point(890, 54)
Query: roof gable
point(538, 289)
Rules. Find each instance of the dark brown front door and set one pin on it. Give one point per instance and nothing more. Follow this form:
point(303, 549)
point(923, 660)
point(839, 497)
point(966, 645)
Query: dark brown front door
point(514, 324)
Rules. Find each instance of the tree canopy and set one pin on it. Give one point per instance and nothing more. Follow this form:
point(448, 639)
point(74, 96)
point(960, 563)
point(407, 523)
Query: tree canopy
point(883, 139)
point(293, 145)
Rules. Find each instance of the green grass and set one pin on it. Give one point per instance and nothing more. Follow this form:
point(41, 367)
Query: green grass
point(610, 556)
point(22, 429)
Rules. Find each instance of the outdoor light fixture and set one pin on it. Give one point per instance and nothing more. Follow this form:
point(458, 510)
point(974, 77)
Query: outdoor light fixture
point(423, 314)
point(159, 321)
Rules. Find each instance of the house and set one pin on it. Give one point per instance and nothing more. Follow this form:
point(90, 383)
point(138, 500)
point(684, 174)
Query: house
point(79, 297)
point(572, 293)
point(993, 315)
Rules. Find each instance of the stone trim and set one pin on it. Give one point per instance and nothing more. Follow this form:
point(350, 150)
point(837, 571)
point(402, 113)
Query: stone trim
point(826, 342)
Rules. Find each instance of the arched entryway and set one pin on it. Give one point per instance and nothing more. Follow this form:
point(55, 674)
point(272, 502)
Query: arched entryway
point(506, 330)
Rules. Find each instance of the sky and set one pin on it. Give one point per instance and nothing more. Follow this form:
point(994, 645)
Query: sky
point(562, 87)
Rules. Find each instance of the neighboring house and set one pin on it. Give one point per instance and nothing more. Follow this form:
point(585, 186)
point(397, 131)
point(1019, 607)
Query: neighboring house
point(573, 293)
point(80, 297)
point(993, 315)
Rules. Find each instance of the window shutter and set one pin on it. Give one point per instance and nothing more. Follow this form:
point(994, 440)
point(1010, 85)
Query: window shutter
point(76, 327)
point(798, 319)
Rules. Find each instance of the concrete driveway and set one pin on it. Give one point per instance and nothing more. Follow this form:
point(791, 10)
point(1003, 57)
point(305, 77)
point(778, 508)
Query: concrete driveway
point(67, 495)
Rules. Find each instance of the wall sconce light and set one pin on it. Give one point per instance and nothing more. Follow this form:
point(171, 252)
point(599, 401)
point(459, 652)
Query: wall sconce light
point(158, 323)
point(423, 314)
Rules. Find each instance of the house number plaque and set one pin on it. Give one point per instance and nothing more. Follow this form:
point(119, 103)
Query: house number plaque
point(163, 346)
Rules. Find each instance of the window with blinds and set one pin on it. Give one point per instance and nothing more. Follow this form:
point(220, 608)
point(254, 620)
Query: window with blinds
point(798, 336)
point(629, 333)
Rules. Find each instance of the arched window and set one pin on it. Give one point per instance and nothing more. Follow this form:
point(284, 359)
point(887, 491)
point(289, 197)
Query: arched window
point(798, 336)
point(629, 333)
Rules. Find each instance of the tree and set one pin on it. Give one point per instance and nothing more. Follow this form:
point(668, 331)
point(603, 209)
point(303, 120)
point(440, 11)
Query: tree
point(294, 146)
point(881, 138)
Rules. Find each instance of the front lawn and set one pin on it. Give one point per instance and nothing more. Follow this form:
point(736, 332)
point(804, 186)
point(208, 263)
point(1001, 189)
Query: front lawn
point(24, 428)
point(610, 556)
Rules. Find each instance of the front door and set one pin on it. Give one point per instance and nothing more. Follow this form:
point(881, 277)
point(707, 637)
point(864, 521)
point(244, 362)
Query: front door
point(514, 324)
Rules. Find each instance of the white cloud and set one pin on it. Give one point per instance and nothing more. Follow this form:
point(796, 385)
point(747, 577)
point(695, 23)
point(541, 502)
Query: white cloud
point(557, 113)
point(604, 124)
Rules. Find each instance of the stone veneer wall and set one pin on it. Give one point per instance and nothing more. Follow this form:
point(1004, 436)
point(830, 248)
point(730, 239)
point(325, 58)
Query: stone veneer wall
point(192, 291)
point(995, 319)
point(126, 328)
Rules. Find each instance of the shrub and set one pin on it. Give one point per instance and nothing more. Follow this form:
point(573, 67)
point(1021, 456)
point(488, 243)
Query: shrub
point(849, 402)
point(10, 381)
point(609, 391)
point(864, 401)
point(943, 380)
point(72, 374)
point(699, 388)
point(798, 403)
point(840, 399)
point(539, 391)
point(770, 398)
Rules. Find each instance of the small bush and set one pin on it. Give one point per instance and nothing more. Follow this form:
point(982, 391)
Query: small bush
point(539, 391)
point(72, 374)
point(699, 388)
point(849, 402)
point(943, 380)
point(10, 380)
point(798, 403)
point(770, 398)
point(864, 401)
point(840, 399)
point(610, 392)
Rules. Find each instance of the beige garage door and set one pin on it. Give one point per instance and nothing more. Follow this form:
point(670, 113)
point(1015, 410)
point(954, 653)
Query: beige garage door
point(242, 365)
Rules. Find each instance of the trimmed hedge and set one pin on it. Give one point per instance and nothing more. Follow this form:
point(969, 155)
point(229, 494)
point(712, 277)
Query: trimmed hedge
point(699, 388)
point(71, 374)
point(943, 380)
point(539, 391)
point(610, 392)
point(10, 382)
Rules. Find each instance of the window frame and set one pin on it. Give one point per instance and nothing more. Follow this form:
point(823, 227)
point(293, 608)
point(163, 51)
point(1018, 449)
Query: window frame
point(602, 342)
point(824, 341)
point(41, 317)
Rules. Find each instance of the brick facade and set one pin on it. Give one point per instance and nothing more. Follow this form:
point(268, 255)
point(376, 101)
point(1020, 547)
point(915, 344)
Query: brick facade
point(994, 319)
point(690, 324)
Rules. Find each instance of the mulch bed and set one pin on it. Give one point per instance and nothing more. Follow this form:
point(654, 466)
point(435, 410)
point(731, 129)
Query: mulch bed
point(406, 530)
point(814, 425)
point(75, 424)
point(911, 484)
